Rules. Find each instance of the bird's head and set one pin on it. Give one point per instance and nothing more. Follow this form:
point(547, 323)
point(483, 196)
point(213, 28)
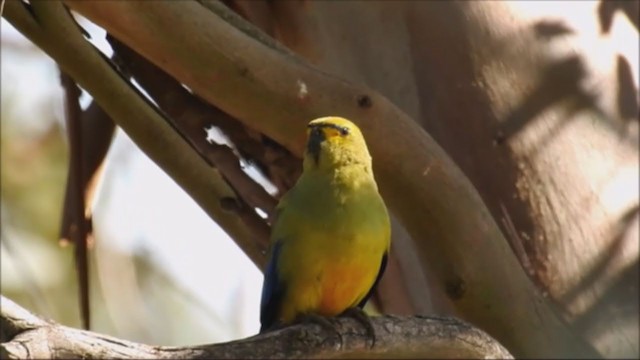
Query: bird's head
point(333, 142)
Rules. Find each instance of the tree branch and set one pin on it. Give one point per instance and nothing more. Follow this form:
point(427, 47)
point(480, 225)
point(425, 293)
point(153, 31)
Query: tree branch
point(97, 132)
point(27, 336)
point(80, 235)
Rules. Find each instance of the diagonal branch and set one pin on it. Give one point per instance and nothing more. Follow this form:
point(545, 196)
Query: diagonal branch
point(26, 336)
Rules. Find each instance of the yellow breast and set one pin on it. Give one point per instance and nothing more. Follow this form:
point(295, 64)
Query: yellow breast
point(330, 279)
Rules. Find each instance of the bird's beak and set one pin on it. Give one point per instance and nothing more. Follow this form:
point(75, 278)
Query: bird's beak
point(316, 137)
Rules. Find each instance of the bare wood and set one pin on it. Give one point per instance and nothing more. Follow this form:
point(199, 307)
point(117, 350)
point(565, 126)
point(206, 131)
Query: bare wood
point(27, 336)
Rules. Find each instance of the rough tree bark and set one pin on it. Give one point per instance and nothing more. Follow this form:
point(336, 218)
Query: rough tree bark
point(27, 336)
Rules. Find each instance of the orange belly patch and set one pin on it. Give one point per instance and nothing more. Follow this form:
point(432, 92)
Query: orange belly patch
point(342, 287)
point(333, 290)
point(327, 288)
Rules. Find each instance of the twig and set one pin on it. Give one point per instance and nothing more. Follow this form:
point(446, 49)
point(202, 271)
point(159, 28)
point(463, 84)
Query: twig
point(80, 233)
point(97, 133)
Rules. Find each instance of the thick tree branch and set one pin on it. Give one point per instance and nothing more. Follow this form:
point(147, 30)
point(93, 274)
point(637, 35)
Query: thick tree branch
point(26, 336)
point(422, 186)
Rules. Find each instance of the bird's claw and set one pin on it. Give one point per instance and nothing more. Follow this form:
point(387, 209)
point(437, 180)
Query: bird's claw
point(359, 315)
point(323, 322)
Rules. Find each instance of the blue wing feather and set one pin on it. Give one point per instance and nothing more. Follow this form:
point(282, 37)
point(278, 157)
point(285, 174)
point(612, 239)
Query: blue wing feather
point(272, 291)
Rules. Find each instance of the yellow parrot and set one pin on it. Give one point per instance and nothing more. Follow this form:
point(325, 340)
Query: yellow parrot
point(331, 233)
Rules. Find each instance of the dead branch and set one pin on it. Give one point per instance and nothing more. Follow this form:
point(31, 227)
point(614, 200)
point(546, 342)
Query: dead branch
point(97, 130)
point(27, 336)
point(80, 235)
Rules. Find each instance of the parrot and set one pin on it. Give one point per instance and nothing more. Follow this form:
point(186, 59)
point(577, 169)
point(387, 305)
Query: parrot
point(331, 233)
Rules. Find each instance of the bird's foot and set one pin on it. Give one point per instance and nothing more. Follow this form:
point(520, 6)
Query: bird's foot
point(359, 315)
point(324, 323)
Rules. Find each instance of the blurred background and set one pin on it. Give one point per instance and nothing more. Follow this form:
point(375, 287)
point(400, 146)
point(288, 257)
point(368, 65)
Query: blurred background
point(162, 272)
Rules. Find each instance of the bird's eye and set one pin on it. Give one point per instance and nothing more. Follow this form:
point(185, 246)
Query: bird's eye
point(344, 131)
